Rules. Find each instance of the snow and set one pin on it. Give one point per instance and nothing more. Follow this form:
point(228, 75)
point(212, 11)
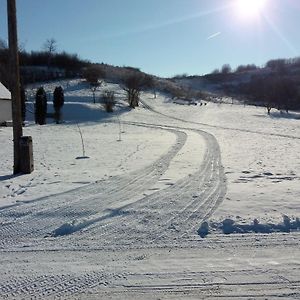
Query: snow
point(260, 154)
point(4, 92)
point(171, 201)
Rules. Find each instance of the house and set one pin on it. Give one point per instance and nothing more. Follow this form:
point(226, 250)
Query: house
point(5, 105)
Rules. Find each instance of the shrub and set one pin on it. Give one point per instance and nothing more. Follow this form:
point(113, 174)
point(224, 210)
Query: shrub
point(108, 101)
point(58, 102)
point(40, 106)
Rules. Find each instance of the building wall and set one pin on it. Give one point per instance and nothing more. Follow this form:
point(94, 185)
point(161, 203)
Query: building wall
point(5, 111)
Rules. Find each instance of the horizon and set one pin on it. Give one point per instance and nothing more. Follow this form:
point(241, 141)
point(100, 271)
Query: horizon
point(163, 39)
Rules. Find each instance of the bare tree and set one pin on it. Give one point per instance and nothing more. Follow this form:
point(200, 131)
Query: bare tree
point(150, 84)
point(93, 76)
point(50, 46)
point(133, 84)
point(215, 71)
point(226, 69)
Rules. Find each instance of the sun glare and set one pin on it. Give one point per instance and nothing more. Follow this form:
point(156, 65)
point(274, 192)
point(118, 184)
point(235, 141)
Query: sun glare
point(250, 8)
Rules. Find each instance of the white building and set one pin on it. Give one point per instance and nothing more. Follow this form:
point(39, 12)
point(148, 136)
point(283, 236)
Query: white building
point(5, 105)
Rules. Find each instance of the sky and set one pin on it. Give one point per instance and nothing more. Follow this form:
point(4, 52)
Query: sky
point(162, 37)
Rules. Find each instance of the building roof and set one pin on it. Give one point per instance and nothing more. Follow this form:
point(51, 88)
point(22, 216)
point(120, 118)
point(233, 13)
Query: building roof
point(4, 92)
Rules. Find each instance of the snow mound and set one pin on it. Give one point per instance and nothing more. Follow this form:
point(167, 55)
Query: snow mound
point(229, 226)
point(204, 229)
point(69, 228)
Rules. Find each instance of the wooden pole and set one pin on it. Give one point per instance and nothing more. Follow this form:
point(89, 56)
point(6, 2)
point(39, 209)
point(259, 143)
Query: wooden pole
point(15, 82)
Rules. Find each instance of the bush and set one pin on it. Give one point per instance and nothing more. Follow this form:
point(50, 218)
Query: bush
point(108, 101)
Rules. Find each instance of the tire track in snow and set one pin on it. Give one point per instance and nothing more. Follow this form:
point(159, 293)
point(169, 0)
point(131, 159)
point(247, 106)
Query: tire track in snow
point(39, 218)
point(147, 106)
point(241, 283)
point(46, 286)
point(114, 228)
point(208, 183)
point(198, 210)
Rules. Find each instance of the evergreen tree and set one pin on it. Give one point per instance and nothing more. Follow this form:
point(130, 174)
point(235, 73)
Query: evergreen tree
point(40, 106)
point(58, 102)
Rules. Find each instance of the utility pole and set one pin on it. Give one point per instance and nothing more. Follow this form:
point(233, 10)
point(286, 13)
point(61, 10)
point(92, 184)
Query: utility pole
point(15, 82)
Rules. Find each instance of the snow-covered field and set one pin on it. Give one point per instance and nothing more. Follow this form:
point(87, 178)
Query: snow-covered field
point(123, 223)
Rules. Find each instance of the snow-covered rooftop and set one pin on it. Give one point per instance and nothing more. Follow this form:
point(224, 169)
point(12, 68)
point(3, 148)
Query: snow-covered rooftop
point(4, 92)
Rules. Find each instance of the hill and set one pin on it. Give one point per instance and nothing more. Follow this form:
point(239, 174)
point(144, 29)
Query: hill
point(276, 85)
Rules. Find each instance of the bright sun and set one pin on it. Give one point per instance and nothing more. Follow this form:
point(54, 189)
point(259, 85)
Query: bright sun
point(250, 8)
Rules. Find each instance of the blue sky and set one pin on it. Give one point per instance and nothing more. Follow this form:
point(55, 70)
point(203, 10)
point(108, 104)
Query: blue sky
point(162, 37)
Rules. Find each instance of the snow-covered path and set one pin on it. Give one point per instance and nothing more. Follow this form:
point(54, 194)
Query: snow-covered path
point(134, 235)
point(131, 203)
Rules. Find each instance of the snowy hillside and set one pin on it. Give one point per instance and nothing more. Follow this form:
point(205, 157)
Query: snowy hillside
point(124, 221)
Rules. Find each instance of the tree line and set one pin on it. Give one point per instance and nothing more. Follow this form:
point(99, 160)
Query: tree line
point(276, 85)
point(46, 64)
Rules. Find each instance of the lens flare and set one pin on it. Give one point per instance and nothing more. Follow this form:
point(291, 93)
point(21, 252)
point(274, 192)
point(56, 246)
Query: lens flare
point(249, 8)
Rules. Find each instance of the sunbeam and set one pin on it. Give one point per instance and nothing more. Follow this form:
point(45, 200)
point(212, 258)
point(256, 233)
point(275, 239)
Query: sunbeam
point(154, 27)
point(280, 35)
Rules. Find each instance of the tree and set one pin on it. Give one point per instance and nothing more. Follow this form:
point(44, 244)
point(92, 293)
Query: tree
point(4, 63)
point(40, 106)
point(133, 84)
point(50, 47)
point(245, 68)
point(268, 90)
point(93, 76)
point(287, 93)
point(277, 65)
point(215, 71)
point(58, 102)
point(226, 69)
point(150, 84)
point(279, 92)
